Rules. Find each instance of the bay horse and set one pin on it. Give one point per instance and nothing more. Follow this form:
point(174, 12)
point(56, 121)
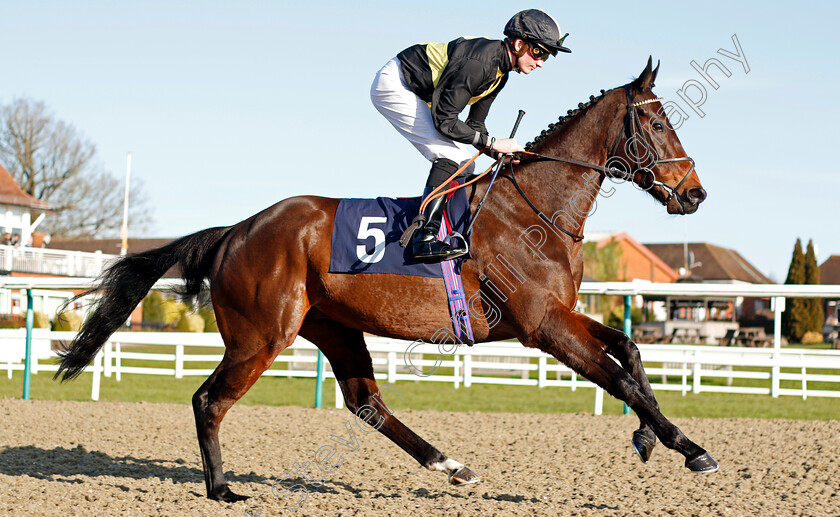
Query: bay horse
point(269, 281)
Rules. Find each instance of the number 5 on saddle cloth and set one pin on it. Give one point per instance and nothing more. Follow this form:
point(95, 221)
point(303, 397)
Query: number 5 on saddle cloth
point(365, 239)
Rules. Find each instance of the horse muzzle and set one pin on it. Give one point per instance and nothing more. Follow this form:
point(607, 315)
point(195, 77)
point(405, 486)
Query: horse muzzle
point(686, 202)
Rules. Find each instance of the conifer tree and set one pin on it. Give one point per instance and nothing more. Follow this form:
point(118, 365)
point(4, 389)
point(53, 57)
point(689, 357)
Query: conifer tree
point(794, 318)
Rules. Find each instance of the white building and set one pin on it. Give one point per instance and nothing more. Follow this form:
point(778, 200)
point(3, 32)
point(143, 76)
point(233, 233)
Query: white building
point(21, 253)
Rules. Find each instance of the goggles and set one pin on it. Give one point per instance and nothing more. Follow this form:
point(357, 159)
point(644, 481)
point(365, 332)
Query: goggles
point(538, 52)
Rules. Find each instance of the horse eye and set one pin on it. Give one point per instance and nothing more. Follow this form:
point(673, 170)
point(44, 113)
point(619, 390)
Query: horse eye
point(657, 126)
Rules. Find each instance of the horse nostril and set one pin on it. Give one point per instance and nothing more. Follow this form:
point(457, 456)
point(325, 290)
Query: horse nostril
point(696, 195)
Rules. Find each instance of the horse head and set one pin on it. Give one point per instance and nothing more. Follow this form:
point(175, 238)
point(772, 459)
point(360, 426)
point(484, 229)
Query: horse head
point(648, 151)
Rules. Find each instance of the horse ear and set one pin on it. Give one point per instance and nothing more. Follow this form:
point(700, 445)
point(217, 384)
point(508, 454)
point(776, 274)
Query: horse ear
point(653, 74)
point(646, 78)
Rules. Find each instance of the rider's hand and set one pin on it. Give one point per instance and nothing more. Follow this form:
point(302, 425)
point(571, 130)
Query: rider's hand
point(511, 159)
point(507, 145)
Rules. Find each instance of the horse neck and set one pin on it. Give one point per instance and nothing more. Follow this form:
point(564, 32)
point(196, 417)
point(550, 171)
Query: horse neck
point(564, 192)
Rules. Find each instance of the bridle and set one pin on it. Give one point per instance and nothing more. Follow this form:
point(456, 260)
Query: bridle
point(633, 126)
point(633, 135)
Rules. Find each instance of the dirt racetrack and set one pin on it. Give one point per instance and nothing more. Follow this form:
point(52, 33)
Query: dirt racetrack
point(121, 459)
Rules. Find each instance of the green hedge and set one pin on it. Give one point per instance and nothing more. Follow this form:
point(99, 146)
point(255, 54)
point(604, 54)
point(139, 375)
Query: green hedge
point(158, 308)
point(40, 320)
point(190, 322)
point(68, 321)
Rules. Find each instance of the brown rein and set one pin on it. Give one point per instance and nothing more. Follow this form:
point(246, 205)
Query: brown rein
point(631, 120)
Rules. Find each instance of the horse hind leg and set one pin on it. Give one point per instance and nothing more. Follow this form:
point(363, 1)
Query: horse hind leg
point(346, 350)
point(247, 356)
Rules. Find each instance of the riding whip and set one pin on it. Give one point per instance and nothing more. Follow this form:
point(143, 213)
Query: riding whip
point(498, 168)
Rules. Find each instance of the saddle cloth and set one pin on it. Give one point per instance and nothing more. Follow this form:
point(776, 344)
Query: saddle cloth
point(366, 235)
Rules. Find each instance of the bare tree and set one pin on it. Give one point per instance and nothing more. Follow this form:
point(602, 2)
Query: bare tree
point(91, 205)
point(52, 162)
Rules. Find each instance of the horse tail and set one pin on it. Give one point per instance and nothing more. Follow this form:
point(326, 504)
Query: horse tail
point(123, 284)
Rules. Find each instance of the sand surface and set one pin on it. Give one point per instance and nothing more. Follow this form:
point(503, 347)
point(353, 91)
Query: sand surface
point(115, 459)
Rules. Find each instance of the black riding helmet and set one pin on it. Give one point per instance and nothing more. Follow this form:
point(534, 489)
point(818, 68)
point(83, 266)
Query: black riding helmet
point(539, 27)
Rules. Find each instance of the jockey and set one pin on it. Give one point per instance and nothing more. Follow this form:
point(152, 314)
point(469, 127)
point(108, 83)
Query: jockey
point(426, 86)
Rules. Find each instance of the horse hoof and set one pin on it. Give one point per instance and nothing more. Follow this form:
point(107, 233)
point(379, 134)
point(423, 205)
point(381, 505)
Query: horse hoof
point(463, 476)
point(642, 446)
point(226, 496)
point(703, 464)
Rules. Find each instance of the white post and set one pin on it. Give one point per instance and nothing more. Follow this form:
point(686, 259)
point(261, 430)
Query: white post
point(97, 377)
point(804, 385)
point(124, 248)
point(108, 355)
point(467, 370)
point(29, 227)
point(574, 380)
point(118, 361)
point(778, 305)
point(179, 361)
point(392, 367)
point(456, 370)
point(599, 400)
point(339, 396)
point(72, 258)
point(695, 387)
point(541, 371)
point(100, 262)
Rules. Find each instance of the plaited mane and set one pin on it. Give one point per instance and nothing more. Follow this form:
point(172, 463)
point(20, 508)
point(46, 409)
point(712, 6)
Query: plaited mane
point(563, 119)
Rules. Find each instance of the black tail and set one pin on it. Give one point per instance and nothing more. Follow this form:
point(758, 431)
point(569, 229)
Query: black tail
point(126, 282)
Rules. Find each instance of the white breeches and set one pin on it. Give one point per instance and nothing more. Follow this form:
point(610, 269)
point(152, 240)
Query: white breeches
point(412, 117)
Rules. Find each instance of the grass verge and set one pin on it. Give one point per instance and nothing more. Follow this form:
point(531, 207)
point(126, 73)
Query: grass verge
point(279, 391)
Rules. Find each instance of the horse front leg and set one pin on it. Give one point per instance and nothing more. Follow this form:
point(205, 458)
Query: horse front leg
point(620, 346)
point(566, 335)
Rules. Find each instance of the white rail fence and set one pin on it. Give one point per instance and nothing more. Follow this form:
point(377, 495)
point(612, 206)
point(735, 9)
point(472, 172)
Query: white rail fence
point(49, 261)
point(683, 368)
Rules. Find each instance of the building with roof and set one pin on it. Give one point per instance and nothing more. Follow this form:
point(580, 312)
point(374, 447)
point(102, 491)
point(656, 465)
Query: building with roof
point(708, 263)
point(16, 210)
point(709, 318)
point(637, 262)
point(701, 262)
point(22, 252)
point(830, 275)
point(830, 271)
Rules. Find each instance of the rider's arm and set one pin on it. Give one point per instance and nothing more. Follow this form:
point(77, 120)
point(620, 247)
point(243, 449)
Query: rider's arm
point(451, 97)
point(478, 113)
point(455, 89)
point(479, 110)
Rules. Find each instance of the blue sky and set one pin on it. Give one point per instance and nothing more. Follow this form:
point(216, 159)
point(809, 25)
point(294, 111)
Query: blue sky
point(228, 107)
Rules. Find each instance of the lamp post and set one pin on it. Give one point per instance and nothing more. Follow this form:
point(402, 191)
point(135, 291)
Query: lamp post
point(124, 248)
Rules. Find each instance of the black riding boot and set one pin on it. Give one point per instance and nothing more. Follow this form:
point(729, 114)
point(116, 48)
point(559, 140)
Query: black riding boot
point(424, 245)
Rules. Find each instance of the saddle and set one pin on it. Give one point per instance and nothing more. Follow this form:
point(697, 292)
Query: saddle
point(365, 239)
